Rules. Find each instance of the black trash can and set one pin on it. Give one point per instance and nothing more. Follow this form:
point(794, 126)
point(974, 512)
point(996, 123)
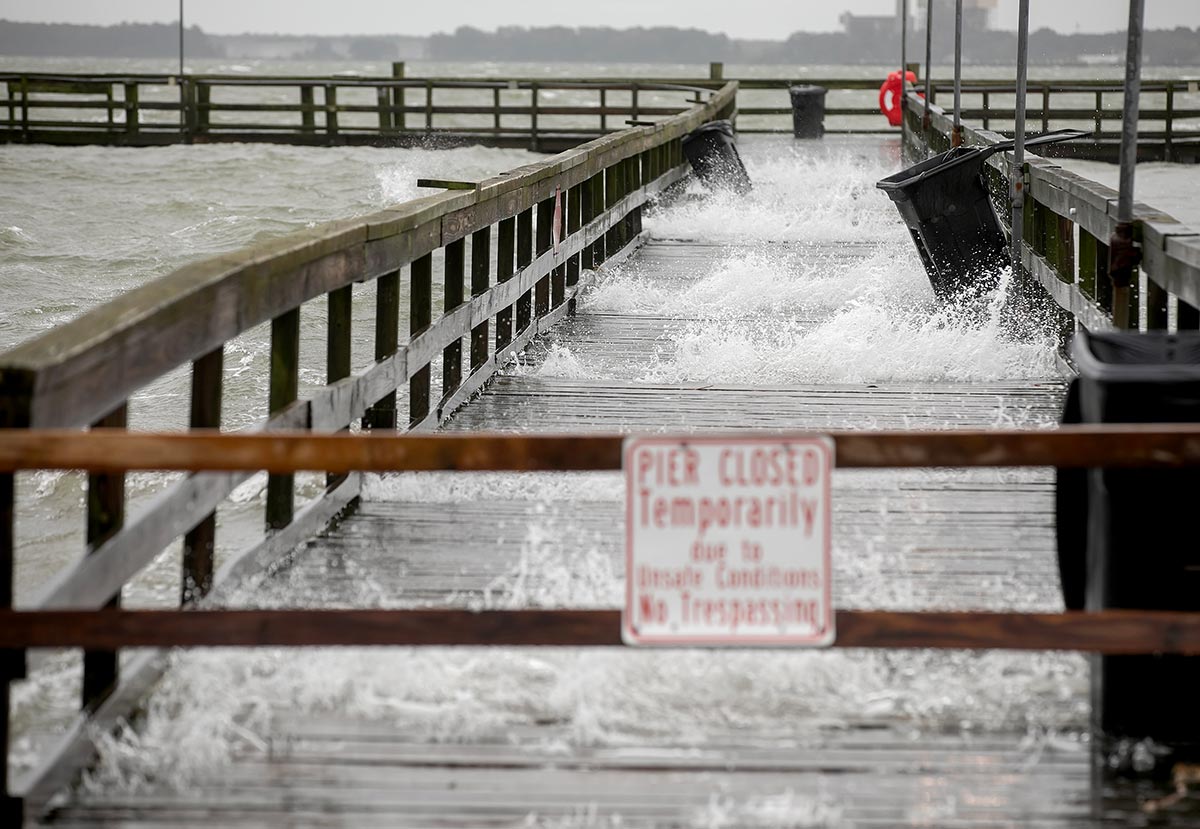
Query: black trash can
point(808, 111)
point(713, 154)
point(1123, 537)
point(946, 205)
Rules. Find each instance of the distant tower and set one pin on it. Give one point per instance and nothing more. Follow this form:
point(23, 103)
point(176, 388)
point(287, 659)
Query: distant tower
point(976, 13)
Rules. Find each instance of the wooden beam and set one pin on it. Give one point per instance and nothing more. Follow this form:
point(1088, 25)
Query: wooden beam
point(1110, 631)
point(1161, 446)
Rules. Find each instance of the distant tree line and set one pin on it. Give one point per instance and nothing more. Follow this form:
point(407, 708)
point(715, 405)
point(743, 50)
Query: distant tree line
point(126, 40)
point(1164, 47)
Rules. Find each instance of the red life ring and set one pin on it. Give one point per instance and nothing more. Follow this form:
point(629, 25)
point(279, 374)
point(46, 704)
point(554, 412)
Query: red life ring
point(890, 96)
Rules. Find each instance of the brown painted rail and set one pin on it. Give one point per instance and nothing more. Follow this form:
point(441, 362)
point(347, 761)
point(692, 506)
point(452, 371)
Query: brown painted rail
point(1110, 631)
point(116, 450)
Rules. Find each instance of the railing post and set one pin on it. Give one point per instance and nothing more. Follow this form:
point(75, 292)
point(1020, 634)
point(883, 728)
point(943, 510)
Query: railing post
point(452, 297)
point(420, 315)
point(1099, 120)
point(199, 543)
point(105, 517)
point(1045, 108)
point(131, 107)
point(524, 257)
point(603, 110)
point(331, 114)
point(1187, 317)
point(535, 145)
point(633, 101)
point(1156, 306)
point(558, 277)
point(203, 106)
point(506, 239)
point(612, 194)
point(496, 108)
point(1169, 125)
point(382, 414)
point(25, 108)
point(574, 222)
point(12, 663)
point(383, 104)
point(308, 119)
point(481, 242)
point(398, 113)
point(338, 331)
point(599, 199)
point(284, 386)
point(429, 106)
point(545, 224)
point(716, 71)
point(986, 111)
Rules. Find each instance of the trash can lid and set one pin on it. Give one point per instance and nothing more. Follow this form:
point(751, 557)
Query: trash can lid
point(1137, 356)
point(723, 126)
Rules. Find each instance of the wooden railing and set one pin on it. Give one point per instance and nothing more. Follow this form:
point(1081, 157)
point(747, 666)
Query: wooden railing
point(1068, 221)
point(1085, 105)
point(533, 236)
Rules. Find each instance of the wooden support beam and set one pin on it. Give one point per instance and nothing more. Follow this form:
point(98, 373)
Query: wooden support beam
point(454, 272)
point(420, 315)
point(105, 517)
point(1109, 631)
point(382, 414)
point(524, 257)
point(199, 543)
point(506, 241)
point(545, 227)
point(1162, 446)
point(481, 242)
point(284, 387)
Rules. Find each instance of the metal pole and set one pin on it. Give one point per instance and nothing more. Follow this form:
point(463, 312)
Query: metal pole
point(956, 135)
point(181, 40)
point(1123, 254)
point(1017, 186)
point(903, 67)
point(183, 98)
point(928, 61)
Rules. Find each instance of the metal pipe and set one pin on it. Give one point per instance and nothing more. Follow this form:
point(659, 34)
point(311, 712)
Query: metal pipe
point(1017, 178)
point(1123, 253)
point(180, 40)
point(928, 61)
point(956, 134)
point(903, 67)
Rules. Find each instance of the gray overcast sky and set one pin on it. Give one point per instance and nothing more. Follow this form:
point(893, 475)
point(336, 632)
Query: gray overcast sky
point(773, 19)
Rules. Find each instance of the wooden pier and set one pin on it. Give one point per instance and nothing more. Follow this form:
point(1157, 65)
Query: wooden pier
point(542, 114)
point(975, 547)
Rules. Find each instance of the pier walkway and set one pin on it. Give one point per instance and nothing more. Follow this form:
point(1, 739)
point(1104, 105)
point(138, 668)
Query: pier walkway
point(565, 736)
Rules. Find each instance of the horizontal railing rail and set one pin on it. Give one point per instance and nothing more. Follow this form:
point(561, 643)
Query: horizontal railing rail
point(1068, 221)
point(513, 251)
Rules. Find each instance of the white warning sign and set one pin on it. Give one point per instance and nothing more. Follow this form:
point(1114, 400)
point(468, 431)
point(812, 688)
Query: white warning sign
point(728, 542)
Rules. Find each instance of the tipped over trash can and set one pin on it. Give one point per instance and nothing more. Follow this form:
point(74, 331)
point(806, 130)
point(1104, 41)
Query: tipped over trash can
point(945, 203)
point(1123, 541)
point(711, 151)
point(808, 111)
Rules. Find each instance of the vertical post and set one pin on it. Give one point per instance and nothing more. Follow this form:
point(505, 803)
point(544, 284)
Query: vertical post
point(428, 106)
point(337, 346)
point(131, 107)
point(1045, 107)
point(398, 96)
point(284, 386)
point(481, 243)
point(496, 108)
point(633, 101)
point(12, 663)
point(928, 63)
point(545, 223)
point(985, 111)
point(603, 110)
point(199, 543)
point(1017, 178)
point(382, 414)
point(612, 193)
point(533, 116)
point(105, 517)
point(575, 201)
point(203, 106)
point(506, 241)
point(420, 315)
point(331, 115)
point(524, 257)
point(383, 104)
point(716, 71)
point(600, 246)
point(1123, 254)
point(903, 54)
point(1099, 113)
point(308, 121)
point(1169, 126)
point(181, 40)
point(454, 272)
point(956, 135)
